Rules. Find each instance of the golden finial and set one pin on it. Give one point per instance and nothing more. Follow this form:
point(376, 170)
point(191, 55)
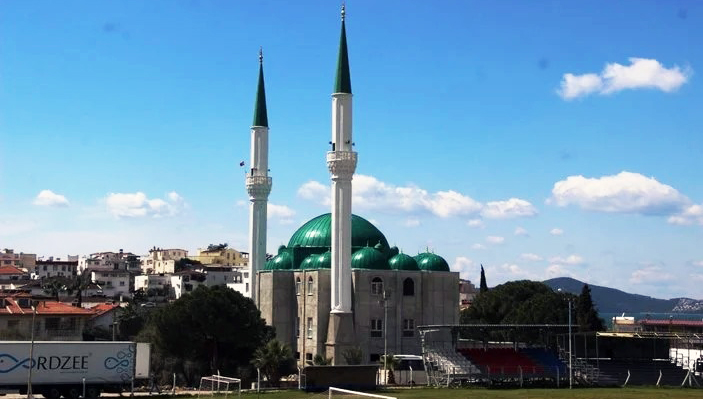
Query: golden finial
point(343, 11)
point(261, 55)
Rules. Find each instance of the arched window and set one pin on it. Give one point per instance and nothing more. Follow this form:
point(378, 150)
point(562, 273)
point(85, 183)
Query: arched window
point(297, 286)
point(309, 285)
point(408, 287)
point(377, 286)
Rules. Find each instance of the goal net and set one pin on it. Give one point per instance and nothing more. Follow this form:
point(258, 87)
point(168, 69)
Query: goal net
point(345, 393)
point(220, 386)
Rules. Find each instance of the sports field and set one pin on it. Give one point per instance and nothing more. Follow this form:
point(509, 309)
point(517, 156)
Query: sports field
point(421, 393)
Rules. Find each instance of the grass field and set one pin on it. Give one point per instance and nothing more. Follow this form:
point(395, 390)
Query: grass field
point(477, 393)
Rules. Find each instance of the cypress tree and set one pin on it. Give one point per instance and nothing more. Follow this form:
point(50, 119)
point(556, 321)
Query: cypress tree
point(483, 287)
point(586, 313)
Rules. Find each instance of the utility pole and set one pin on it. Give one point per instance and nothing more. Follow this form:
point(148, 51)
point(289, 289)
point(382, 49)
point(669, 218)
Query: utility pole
point(31, 356)
point(571, 356)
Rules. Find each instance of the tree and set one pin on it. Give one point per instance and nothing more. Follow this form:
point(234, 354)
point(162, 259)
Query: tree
point(185, 263)
point(275, 360)
point(210, 329)
point(586, 313)
point(129, 320)
point(53, 288)
point(353, 356)
point(320, 360)
point(217, 247)
point(77, 286)
point(483, 287)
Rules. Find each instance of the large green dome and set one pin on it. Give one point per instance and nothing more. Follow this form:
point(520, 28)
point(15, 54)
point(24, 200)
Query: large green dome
point(317, 233)
point(282, 261)
point(403, 262)
point(369, 258)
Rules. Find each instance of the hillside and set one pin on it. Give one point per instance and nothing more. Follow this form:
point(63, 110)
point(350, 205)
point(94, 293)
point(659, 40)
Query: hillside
point(610, 300)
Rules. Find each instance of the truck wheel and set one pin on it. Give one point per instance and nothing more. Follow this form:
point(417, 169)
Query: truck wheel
point(73, 393)
point(52, 393)
point(92, 393)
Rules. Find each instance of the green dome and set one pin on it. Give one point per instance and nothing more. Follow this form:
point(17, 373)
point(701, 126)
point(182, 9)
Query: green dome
point(282, 261)
point(323, 261)
point(369, 258)
point(431, 262)
point(317, 233)
point(309, 262)
point(403, 262)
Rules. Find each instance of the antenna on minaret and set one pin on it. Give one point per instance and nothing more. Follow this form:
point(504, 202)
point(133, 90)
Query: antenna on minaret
point(261, 55)
point(344, 11)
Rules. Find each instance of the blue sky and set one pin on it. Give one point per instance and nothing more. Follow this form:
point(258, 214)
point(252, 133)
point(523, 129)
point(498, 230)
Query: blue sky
point(540, 139)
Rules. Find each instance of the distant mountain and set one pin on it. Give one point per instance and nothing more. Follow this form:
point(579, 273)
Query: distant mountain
point(610, 300)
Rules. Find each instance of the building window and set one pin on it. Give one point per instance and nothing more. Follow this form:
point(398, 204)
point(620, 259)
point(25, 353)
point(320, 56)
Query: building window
point(377, 286)
point(376, 328)
point(310, 327)
point(297, 327)
point(375, 357)
point(297, 286)
point(408, 287)
point(308, 356)
point(408, 327)
point(309, 285)
point(247, 288)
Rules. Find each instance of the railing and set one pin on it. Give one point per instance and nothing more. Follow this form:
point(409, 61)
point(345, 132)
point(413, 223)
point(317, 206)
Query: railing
point(258, 180)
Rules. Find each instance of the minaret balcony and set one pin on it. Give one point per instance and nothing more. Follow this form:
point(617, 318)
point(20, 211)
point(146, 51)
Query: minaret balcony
point(341, 163)
point(258, 186)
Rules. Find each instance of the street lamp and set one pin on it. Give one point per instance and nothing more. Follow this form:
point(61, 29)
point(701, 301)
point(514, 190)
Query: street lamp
point(31, 355)
point(571, 371)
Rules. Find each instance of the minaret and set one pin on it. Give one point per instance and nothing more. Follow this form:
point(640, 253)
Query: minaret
point(258, 184)
point(341, 162)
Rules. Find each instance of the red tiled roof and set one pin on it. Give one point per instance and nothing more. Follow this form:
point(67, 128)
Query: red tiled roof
point(44, 307)
point(687, 323)
point(103, 308)
point(8, 270)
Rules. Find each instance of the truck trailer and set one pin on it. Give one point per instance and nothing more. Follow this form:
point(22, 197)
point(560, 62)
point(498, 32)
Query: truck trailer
point(71, 369)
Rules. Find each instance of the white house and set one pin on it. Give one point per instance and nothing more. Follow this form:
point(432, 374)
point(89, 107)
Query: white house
point(113, 282)
point(55, 268)
point(109, 261)
point(241, 281)
point(162, 260)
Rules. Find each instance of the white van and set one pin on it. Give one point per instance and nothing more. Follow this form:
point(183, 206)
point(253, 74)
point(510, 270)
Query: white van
point(410, 370)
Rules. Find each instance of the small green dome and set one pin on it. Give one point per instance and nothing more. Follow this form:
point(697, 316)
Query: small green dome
point(323, 261)
point(309, 262)
point(403, 262)
point(431, 262)
point(282, 261)
point(369, 258)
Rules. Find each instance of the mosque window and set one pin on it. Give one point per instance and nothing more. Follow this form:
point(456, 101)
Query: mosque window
point(297, 327)
point(376, 328)
point(310, 327)
point(408, 327)
point(297, 286)
point(408, 287)
point(377, 286)
point(309, 285)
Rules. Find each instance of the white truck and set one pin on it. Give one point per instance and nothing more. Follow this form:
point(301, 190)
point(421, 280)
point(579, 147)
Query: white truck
point(71, 369)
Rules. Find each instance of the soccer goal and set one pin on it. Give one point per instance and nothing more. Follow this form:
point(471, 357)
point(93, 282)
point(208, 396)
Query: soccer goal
point(220, 385)
point(345, 393)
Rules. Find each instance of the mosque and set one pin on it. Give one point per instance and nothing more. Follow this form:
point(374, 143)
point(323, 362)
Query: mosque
point(338, 284)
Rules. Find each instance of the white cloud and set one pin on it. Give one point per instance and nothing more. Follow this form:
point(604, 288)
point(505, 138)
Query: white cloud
point(519, 231)
point(50, 198)
point(512, 208)
point(282, 213)
point(465, 266)
point(478, 246)
point(697, 277)
point(650, 275)
point(133, 205)
point(556, 231)
point(531, 257)
point(516, 272)
point(369, 193)
point(642, 73)
point(557, 271)
point(692, 214)
point(625, 192)
point(569, 260)
point(495, 240)
point(698, 263)
point(477, 223)
point(412, 222)
point(315, 191)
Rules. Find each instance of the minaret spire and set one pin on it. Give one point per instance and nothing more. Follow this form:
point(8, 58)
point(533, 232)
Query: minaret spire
point(258, 184)
point(260, 115)
point(342, 83)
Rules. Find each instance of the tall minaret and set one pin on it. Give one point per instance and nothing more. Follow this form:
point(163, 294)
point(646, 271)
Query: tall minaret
point(341, 162)
point(258, 184)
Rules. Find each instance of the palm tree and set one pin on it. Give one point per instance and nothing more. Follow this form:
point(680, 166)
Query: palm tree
point(390, 364)
point(353, 355)
point(77, 286)
point(320, 360)
point(274, 359)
